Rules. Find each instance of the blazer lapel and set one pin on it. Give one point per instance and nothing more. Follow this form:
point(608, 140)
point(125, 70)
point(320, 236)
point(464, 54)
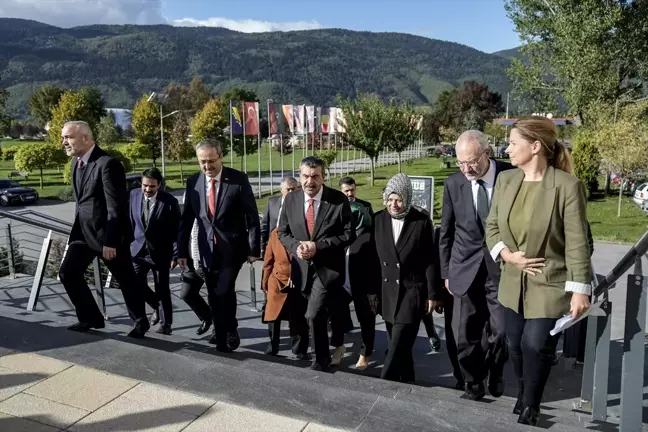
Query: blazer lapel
point(406, 233)
point(467, 199)
point(74, 174)
point(157, 209)
point(387, 234)
point(89, 168)
point(504, 212)
point(299, 231)
point(324, 208)
point(200, 189)
point(222, 190)
point(543, 206)
point(137, 208)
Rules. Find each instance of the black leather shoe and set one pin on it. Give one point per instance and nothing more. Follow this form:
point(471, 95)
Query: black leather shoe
point(164, 329)
point(496, 385)
point(223, 348)
point(139, 330)
point(517, 409)
point(529, 416)
point(460, 385)
point(83, 327)
point(213, 340)
point(204, 327)
point(270, 350)
point(318, 367)
point(435, 344)
point(474, 391)
point(233, 339)
point(155, 318)
point(303, 356)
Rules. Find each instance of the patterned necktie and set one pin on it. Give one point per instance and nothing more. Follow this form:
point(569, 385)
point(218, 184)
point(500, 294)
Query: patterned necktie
point(80, 163)
point(212, 198)
point(483, 206)
point(310, 217)
point(79, 173)
point(147, 210)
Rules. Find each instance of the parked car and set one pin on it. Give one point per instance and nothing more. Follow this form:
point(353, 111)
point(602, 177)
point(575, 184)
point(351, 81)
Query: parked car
point(640, 196)
point(11, 192)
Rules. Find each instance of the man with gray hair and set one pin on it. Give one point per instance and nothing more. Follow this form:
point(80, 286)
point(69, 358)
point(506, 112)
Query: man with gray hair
point(101, 228)
point(470, 274)
point(221, 199)
point(271, 212)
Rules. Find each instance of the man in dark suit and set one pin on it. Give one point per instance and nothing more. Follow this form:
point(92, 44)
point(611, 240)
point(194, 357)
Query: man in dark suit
point(155, 216)
point(101, 228)
point(349, 188)
point(221, 199)
point(470, 273)
point(271, 212)
point(316, 227)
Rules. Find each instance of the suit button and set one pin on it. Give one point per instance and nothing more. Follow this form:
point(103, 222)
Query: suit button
point(397, 281)
point(385, 264)
point(398, 265)
point(385, 279)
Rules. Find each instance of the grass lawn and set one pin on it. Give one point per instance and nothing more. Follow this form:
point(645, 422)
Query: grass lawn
point(602, 211)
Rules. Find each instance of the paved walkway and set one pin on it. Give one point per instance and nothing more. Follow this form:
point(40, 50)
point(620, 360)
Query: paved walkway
point(42, 394)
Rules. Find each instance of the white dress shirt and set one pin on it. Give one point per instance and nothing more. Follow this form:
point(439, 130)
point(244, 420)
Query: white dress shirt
point(316, 203)
point(153, 200)
point(397, 227)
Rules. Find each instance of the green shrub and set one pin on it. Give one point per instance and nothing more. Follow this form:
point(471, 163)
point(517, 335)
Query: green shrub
point(587, 161)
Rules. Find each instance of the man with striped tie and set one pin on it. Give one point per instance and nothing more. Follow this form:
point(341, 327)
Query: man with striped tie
point(315, 226)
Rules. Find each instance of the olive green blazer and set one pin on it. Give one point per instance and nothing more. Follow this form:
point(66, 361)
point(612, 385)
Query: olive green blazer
point(558, 232)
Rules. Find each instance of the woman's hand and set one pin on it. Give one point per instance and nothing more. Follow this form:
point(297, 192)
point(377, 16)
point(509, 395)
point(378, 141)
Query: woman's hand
point(528, 265)
point(579, 304)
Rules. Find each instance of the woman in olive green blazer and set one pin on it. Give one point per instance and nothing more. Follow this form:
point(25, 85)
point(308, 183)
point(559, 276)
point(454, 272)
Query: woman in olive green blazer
point(537, 229)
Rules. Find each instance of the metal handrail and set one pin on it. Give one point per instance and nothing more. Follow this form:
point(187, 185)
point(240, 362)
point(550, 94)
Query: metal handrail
point(39, 224)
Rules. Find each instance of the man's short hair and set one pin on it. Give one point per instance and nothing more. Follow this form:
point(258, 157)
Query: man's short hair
point(154, 174)
point(83, 125)
point(312, 162)
point(288, 179)
point(349, 181)
point(475, 136)
point(214, 143)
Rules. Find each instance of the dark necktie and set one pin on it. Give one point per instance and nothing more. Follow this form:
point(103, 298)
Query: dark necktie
point(146, 212)
point(79, 173)
point(310, 217)
point(483, 206)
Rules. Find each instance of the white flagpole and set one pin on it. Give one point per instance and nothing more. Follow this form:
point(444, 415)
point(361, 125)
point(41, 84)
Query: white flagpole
point(282, 154)
point(231, 136)
point(270, 148)
point(259, 144)
point(244, 145)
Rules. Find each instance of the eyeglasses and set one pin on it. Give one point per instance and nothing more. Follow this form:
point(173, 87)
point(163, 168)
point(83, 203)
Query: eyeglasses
point(471, 164)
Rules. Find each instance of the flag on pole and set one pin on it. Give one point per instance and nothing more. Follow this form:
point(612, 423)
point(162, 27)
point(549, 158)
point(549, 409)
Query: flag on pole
point(251, 118)
point(324, 119)
point(333, 120)
point(340, 122)
point(275, 115)
point(236, 122)
point(288, 115)
point(298, 111)
point(310, 118)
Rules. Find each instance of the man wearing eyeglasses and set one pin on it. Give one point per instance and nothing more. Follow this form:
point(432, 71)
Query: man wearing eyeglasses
point(470, 274)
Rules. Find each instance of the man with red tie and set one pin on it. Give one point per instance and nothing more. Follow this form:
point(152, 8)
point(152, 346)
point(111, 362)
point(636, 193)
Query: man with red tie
point(315, 227)
point(221, 200)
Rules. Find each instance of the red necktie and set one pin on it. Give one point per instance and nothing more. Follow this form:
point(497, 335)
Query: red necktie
point(212, 198)
point(310, 217)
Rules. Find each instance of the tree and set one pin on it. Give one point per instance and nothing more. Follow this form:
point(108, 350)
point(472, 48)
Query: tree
point(5, 120)
point(136, 151)
point(448, 135)
point(39, 156)
point(365, 119)
point(180, 148)
point(586, 50)
point(328, 157)
point(496, 131)
point(473, 120)
point(146, 125)
point(43, 102)
point(430, 128)
point(198, 94)
point(81, 105)
point(587, 159)
point(400, 128)
point(473, 103)
point(107, 134)
point(209, 122)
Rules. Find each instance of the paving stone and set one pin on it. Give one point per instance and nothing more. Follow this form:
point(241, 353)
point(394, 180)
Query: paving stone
point(15, 424)
point(33, 363)
point(83, 388)
point(42, 410)
point(157, 397)
point(231, 418)
point(13, 382)
point(314, 427)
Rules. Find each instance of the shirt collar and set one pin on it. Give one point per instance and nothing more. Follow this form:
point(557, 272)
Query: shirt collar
point(86, 156)
point(152, 199)
point(317, 197)
point(489, 177)
point(218, 177)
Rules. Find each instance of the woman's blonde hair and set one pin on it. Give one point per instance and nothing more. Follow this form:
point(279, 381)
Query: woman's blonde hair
point(542, 129)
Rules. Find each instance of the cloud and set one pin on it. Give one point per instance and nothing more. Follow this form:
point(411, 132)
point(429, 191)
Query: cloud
point(72, 13)
point(247, 25)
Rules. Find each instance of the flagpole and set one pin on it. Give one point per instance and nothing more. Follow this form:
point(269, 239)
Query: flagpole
point(259, 144)
point(282, 154)
point(231, 136)
point(244, 145)
point(269, 146)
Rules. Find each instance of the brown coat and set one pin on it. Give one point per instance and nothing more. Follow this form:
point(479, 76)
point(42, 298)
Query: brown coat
point(276, 276)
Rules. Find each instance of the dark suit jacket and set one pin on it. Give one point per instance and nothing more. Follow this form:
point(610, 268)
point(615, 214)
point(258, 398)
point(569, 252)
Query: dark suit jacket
point(333, 233)
point(364, 268)
point(101, 217)
point(407, 267)
point(269, 220)
point(462, 243)
point(161, 235)
point(235, 225)
point(366, 204)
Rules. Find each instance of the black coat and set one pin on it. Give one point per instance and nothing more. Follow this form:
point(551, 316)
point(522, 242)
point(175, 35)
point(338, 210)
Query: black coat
point(407, 267)
point(462, 245)
point(161, 235)
point(235, 225)
point(333, 232)
point(101, 217)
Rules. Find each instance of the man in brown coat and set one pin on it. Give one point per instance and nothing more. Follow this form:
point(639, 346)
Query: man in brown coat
point(284, 301)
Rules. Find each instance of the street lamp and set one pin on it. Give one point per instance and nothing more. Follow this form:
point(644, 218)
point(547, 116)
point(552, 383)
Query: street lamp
point(161, 99)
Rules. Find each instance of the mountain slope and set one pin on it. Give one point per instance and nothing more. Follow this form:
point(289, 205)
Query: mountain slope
point(292, 67)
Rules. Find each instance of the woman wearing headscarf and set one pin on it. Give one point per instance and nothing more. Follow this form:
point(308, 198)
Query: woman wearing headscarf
point(537, 228)
point(403, 239)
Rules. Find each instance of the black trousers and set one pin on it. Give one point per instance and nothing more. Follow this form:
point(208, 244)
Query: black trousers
point(367, 321)
point(320, 301)
point(451, 344)
point(221, 294)
point(478, 326)
point(160, 299)
point(399, 363)
point(532, 351)
point(294, 311)
point(190, 293)
point(77, 259)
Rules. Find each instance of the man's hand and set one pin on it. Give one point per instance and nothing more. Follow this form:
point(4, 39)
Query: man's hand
point(182, 263)
point(173, 264)
point(306, 250)
point(109, 253)
point(447, 286)
point(519, 261)
point(252, 259)
point(579, 304)
point(432, 304)
point(373, 302)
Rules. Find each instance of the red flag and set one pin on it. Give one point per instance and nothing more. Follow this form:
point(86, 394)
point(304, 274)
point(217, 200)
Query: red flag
point(251, 118)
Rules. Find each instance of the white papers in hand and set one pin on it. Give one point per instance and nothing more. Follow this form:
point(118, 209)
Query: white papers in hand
point(567, 321)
